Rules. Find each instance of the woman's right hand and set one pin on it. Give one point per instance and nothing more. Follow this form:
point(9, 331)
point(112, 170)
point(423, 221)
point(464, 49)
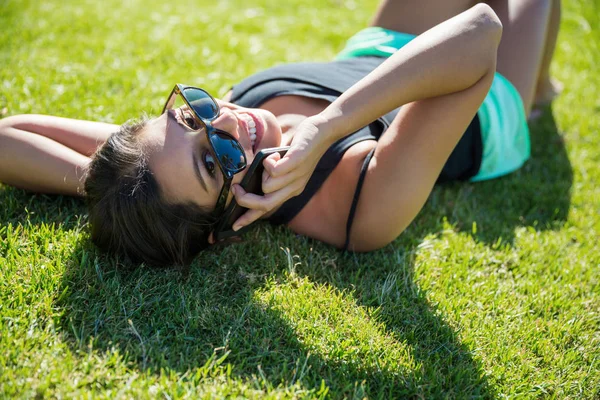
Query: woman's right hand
point(287, 176)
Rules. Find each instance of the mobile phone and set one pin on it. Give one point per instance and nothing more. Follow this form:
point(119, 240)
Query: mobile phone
point(252, 183)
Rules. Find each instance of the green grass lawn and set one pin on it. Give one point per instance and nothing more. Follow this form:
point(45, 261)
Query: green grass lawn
point(493, 291)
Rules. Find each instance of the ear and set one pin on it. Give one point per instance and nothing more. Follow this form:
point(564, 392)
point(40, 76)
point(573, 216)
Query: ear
point(211, 238)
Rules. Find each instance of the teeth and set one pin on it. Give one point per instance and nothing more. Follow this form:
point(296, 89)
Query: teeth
point(251, 128)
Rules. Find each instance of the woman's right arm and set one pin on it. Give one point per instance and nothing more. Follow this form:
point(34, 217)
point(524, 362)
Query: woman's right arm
point(48, 154)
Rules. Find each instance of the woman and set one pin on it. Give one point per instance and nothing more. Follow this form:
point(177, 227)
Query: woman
point(359, 168)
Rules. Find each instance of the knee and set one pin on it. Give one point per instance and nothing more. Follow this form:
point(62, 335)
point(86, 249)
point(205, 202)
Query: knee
point(488, 22)
point(486, 33)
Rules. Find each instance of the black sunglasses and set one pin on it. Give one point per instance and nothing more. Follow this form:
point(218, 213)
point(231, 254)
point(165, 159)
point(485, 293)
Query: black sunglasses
point(227, 151)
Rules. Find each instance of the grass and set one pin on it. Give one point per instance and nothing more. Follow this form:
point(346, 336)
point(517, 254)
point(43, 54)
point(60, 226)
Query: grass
point(493, 291)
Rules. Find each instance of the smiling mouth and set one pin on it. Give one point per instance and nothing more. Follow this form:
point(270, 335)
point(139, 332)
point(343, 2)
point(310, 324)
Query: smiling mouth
point(254, 128)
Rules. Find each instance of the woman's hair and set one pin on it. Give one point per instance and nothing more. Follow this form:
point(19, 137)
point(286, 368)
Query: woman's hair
point(127, 214)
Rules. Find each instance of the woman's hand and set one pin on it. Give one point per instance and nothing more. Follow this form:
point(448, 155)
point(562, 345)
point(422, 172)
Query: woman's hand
point(286, 177)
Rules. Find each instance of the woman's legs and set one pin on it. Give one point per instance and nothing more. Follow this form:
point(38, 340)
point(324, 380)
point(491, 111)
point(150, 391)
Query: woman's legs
point(528, 39)
point(523, 42)
point(48, 154)
point(548, 88)
point(416, 16)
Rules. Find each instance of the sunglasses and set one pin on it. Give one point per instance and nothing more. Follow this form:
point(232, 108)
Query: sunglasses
point(226, 150)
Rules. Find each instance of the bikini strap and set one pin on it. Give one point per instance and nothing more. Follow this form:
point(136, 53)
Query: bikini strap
point(361, 178)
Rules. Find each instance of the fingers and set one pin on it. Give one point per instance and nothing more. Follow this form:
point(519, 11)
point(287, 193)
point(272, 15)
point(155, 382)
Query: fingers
point(272, 184)
point(271, 161)
point(269, 165)
point(267, 202)
point(260, 205)
point(276, 178)
point(272, 178)
point(282, 178)
point(278, 166)
point(245, 199)
point(247, 218)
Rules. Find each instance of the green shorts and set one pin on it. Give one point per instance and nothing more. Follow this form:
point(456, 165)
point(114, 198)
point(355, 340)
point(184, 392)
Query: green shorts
point(504, 130)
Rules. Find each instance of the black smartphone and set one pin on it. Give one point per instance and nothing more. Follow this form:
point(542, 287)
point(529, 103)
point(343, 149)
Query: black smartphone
point(251, 183)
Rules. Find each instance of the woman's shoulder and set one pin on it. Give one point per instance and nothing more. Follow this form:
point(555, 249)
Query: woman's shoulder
point(336, 76)
point(325, 215)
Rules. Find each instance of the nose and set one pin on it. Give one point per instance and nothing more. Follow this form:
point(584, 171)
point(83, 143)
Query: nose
point(227, 121)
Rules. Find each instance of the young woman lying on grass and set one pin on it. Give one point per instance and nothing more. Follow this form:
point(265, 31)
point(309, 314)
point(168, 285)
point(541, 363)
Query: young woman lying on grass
point(359, 168)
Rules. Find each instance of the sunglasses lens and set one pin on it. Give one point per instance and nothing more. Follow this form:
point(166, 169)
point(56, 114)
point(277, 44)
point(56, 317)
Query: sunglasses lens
point(202, 103)
point(229, 151)
point(230, 154)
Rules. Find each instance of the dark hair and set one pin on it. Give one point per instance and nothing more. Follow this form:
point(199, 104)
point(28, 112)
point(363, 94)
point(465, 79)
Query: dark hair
point(127, 214)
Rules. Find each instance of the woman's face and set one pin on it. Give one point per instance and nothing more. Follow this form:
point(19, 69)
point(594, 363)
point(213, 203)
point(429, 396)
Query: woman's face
point(180, 157)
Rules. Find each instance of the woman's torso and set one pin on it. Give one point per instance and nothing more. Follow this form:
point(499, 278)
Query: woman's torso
point(295, 91)
point(325, 214)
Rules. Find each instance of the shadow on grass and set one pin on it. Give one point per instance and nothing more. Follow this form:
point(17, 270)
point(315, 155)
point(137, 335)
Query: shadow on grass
point(160, 321)
point(236, 307)
point(538, 195)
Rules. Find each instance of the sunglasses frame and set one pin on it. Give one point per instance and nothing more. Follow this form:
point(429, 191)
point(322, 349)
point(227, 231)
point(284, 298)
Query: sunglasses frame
point(179, 90)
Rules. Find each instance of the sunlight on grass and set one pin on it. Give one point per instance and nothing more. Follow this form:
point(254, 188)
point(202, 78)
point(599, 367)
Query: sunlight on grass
point(493, 291)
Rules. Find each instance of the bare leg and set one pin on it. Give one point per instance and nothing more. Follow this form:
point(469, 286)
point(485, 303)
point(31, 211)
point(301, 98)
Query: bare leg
point(48, 154)
point(528, 40)
point(548, 88)
point(523, 42)
point(416, 16)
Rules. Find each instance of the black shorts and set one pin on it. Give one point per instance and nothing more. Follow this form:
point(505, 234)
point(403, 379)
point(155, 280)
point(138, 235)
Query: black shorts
point(465, 160)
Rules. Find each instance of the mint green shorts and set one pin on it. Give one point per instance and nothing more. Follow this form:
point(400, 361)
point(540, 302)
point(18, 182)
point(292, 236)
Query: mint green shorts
point(504, 130)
